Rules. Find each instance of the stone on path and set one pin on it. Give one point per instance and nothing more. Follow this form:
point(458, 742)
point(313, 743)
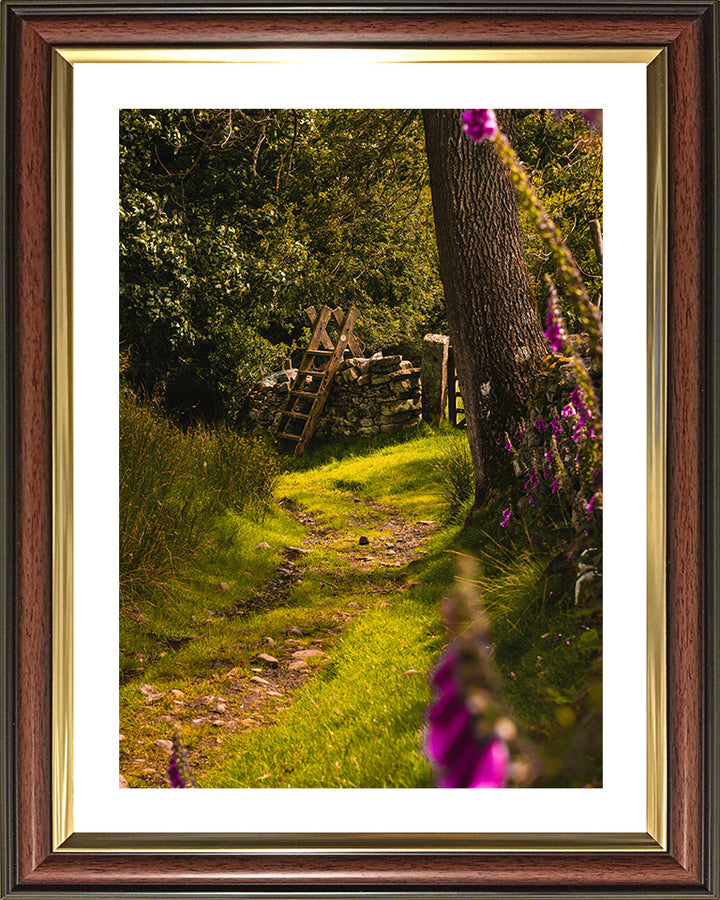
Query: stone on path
point(270, 641)
point(296, 552)
point(123, 783)
point(167, 746)
point(224, 586)
point(268, 660)
point(306, 654)
point(297, 664)
point(256, 679)
point(263, 545)
point(294, 631)
point(150, 693)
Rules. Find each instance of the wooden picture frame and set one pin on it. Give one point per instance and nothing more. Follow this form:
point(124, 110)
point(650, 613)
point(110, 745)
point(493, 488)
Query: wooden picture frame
point(687, 30)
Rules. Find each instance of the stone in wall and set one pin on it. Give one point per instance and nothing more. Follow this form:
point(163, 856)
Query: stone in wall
point(368, 396)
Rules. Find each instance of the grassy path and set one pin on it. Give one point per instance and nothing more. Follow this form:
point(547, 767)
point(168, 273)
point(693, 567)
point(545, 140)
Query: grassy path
point(308, 667)
point(295, 652)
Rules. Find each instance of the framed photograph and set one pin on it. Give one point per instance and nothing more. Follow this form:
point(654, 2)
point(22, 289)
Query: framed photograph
point(70, 72)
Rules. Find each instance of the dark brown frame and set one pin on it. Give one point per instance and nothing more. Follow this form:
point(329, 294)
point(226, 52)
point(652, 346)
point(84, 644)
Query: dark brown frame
point(688, 29)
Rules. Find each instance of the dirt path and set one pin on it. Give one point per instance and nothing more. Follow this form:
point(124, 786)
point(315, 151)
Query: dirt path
point(280, 667)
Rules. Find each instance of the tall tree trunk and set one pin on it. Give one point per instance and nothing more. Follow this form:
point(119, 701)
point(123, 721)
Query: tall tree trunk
point(494, 325)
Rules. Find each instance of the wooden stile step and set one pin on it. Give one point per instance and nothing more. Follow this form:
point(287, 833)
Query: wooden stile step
point(306, 394)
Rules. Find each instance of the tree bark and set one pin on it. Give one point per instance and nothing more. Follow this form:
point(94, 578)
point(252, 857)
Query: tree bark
point(494, 324)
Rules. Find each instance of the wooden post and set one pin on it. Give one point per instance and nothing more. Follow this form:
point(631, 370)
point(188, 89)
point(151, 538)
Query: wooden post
point(451, 387)
point(433, 375)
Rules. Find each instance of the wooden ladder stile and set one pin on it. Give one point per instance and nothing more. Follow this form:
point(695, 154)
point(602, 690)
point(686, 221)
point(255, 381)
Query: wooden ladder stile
point(319, 364)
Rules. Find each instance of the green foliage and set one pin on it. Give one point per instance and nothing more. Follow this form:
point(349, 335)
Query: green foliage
point(563, 156)
point(232, 222)
point(175, 484)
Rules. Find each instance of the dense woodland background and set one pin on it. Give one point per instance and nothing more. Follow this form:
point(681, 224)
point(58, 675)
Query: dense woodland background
point(232, 222)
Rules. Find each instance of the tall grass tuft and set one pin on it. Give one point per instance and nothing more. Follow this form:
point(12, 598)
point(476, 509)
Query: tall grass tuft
point(456, 479)
point(175, 484)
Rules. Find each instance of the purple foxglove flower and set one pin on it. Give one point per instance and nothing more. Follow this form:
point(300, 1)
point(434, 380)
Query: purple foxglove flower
point(540, 425)
point(479, 124)
point(506, 517)
point(554, 326)
point(460, 755)
point(578, 401)
point(553, 335)
point(173, 771)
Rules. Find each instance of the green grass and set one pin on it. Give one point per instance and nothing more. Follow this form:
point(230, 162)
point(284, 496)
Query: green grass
point(392, 471)
point(182, 609)
point(358, 722)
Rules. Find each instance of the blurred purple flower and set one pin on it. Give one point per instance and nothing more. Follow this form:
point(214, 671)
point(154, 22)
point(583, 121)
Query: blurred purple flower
point(460, 755)
point(177, 770)
point(540, 425)
point(506, 517)
point(175, 778)
point(479, 124)
point(508, 444)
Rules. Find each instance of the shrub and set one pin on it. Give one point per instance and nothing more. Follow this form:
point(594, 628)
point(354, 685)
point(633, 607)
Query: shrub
point(455, 471)
point(174, 485)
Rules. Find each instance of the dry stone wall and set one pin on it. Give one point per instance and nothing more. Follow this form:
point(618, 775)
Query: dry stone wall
point(368, 396)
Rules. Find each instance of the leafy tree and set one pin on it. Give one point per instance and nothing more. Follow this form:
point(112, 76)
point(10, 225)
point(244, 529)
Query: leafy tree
point(234, 221)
